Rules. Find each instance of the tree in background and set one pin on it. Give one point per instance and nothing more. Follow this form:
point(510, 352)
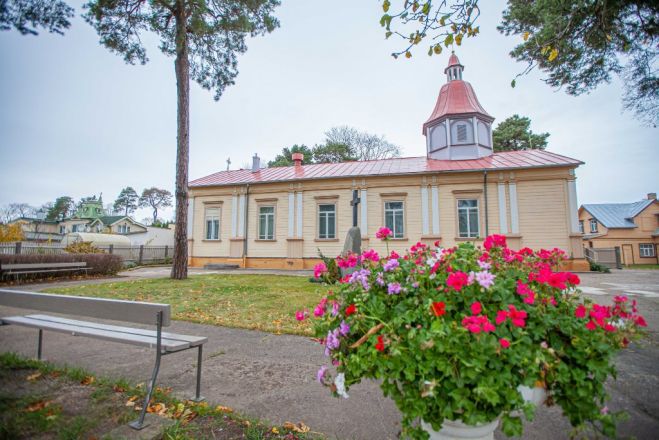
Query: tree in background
point(127, 201)
point(285, 159)
point(27, 15)
point(155, 198)
point(362, 145)
point(205, 38)
point(23, 209)
point(332, 152)
point(62, 208)
point(514, 134)
point(13, 232)
point(579, 44)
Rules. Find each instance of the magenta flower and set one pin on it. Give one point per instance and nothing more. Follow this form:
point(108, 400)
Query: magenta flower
point(383, 233)
point(319, 269)
point(301, 315)
point(370, 255)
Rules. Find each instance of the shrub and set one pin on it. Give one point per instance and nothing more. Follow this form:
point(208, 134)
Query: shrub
point(98, 264)
point(83, 247)
point(596, 267)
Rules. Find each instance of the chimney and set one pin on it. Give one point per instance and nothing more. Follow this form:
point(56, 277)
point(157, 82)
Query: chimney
point(652, 196)
point(298, 158)
point(256, 163)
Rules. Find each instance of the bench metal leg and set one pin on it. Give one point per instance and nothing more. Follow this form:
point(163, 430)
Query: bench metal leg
point(198, 397)
point(40, 344)
point(139, 423)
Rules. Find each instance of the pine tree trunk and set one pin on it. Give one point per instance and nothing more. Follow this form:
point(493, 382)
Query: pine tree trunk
point(180, 257)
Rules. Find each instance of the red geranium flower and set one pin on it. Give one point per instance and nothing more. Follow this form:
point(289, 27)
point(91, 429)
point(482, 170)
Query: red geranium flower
point(580, 312)
point(351, 309)
point(379, 346)
point(457, 280)
point(438, 308)
point(494, 240)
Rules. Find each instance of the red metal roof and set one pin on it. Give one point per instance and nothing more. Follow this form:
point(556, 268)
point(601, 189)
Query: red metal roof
point(388, 167)
point(452, 61)
point(456, 97)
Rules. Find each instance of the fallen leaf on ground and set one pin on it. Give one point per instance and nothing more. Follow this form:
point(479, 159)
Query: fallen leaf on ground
point(118, 389)
point(131, 401)
point(300, 427)
point(34, 376)
point(224, 409)
point(275, 430)
point(88, 380)
point(36, 406)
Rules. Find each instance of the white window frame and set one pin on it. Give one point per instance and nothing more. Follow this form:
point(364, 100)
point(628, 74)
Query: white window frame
point(643, 249)
point(212, 214)
point(582, 228)
point(325, 235)
point(395, 233)
point(267, 234)
point(593, 225)
point(470, 232)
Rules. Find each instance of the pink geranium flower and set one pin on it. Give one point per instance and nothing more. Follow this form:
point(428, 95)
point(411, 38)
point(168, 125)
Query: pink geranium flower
point(504, 343)
point(383, 233)
point(476, 308)
point(319, 269)
point(580, 311)
point(494, 240)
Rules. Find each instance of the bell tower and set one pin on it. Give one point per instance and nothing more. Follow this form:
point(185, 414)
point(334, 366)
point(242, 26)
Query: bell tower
point(459, 127)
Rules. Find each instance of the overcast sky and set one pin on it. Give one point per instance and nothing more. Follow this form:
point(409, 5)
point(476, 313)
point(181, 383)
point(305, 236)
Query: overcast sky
point(76, 120)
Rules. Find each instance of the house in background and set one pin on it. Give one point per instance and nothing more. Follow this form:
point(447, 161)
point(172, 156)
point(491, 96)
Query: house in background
point(631, 227)
point(460, 190)
point(39, 230)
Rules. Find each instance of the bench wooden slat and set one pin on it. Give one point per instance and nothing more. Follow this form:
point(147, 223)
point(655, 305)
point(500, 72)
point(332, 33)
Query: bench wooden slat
point(12, 272)
point(113, 309)
point(20, 266)
point(105, 334)
point(192, 340)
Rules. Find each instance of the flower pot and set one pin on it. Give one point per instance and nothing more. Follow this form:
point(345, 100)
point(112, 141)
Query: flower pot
point(535, 395)
point(456, 430)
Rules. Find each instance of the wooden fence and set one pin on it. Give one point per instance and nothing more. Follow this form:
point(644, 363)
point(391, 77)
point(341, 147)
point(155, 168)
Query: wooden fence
point(137, 254)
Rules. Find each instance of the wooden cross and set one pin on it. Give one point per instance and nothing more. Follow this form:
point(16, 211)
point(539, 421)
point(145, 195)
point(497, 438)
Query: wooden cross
point(354, 203)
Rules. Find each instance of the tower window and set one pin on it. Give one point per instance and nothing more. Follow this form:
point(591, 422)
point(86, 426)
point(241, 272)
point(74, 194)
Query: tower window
point(462, 133)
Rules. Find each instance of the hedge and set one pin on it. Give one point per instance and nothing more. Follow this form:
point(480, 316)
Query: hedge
point(98, 264)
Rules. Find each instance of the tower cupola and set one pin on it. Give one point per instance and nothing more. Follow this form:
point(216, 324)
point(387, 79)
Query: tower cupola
point(459, 127)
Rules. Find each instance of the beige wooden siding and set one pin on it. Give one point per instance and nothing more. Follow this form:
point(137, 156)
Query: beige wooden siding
point(543, 219)
point(211, 248)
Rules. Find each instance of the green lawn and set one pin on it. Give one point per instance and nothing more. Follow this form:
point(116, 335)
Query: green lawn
point(263, 302)
point(644, 266)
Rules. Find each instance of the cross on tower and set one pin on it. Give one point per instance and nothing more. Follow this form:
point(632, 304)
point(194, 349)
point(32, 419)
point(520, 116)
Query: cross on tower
point(228, 163)
point(354, 202)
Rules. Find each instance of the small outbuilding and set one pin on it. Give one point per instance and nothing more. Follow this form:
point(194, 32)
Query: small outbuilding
point(96, 239)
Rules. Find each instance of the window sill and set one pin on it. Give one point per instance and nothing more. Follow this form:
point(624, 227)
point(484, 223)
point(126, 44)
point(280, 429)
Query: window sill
point(326, 240)
point(211, 240)
point(431, 237)
point(237, 239)
point(267, 240)
point(399, 239)
point(468, 238)
point(295, 239)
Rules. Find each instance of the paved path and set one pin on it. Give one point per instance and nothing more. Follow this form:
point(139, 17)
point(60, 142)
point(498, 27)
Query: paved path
point(272, 377)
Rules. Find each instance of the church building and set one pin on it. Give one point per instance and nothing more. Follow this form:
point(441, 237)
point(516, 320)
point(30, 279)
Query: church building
point(459, 191)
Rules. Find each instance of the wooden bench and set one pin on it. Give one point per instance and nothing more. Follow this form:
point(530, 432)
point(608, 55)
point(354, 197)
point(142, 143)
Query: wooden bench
point(28, 268)
point(117, 310)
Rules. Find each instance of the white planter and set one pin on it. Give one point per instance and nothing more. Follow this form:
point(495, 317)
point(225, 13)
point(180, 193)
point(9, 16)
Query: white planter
point(535, 395)
point(456, 430)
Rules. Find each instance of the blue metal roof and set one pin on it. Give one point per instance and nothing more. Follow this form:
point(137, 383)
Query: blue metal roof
point(617, 215)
